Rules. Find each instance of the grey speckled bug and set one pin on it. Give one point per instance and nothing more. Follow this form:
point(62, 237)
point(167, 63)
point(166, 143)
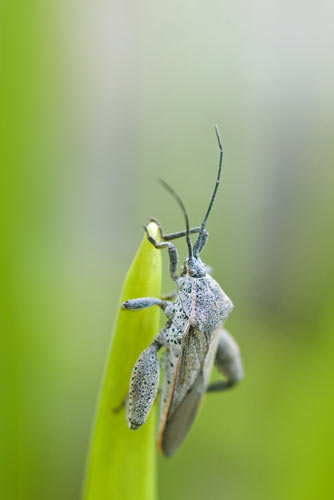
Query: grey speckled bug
point(193, 339)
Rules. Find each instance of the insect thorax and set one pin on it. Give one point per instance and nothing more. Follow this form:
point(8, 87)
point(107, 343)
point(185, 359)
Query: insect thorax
point(204, 302)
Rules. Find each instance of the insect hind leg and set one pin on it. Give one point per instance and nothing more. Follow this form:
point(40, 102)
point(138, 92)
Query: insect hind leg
point(144, 385)
point(228, 362)
point(219, 386)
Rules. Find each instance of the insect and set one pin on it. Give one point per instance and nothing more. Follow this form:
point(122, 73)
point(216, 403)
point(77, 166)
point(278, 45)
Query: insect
point(193, 339)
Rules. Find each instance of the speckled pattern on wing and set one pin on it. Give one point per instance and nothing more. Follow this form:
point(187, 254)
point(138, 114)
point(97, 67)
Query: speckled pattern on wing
point(204, 302)
point(202, 305)
point(192, 356)
point(190, 381)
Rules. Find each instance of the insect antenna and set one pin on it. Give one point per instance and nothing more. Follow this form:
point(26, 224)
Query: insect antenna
point(200, 236)
point(180, 202)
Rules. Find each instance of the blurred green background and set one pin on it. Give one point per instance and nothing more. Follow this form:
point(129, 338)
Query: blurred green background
point(97, 100)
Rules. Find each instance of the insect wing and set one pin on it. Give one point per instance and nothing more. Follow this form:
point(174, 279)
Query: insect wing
point(186, 391)
point(178, 425)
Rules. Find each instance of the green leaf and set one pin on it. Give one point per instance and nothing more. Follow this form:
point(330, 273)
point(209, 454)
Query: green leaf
point(122, 463)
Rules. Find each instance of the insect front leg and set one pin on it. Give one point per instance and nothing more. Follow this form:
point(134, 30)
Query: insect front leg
point(145, 302)
point(228, 362)
point(144, 385)
point(172, 252)
point(173, 236)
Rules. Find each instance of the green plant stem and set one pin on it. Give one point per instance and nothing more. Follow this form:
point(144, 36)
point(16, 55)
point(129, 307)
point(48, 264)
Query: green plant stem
point(122, 463)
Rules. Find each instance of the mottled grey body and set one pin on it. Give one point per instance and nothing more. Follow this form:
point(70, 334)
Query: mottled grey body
point(199, 310)
point(203, 302)
point(193, 339)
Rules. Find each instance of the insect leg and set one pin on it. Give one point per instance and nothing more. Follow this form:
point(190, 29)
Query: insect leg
point(228, 362)
point(145, 302)
point(173, 236)
point(143, 388)
point(173, 255)
point(121, 405)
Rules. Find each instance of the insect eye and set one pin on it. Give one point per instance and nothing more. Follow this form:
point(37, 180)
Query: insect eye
point(191, 272)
